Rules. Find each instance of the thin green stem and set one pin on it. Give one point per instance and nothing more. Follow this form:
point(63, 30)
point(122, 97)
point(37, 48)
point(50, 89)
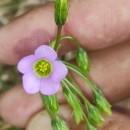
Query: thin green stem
point(76, 90)
point(69, 77)
point(81, 74)
point(58, 38)
point(72, 81)
point(74, 40)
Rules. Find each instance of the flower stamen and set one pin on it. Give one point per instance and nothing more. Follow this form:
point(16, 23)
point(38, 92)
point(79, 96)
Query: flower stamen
point(42, 68)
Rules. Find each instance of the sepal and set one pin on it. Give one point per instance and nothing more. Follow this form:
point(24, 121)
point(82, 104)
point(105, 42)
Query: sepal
point(58, 124)
point(94, 115)
point(51, 103)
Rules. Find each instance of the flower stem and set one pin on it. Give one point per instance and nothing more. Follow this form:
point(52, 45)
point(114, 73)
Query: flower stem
point(74, 40)
point(52, 114)
point(69, 77)
point(58, 38)
point(75, 89)
point(81, 74)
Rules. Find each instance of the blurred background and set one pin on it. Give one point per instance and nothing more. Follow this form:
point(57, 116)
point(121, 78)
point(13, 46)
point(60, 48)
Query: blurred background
point(9, 9)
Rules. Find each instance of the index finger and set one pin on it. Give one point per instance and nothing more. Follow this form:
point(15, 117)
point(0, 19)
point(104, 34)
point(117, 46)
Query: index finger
point(95, 24)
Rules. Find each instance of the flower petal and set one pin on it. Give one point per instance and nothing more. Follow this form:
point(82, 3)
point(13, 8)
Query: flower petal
point(59, 71)
point(31, 83)
point(48, 87)
point(46, 52)
point(26, 64)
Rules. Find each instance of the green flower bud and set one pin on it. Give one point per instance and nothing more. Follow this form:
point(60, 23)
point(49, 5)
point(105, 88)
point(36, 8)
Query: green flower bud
point(58, 124)
point(51, 103)
point(61, 11)
point(82, 60)
point(90, 126)
point(101, 103)
point(74, 102)
point(94, 115)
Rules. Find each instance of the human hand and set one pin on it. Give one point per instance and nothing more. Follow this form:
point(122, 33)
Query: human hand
point(98, 26)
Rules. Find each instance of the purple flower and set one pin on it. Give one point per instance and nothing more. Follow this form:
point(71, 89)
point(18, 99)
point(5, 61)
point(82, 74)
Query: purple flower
point(42, 72)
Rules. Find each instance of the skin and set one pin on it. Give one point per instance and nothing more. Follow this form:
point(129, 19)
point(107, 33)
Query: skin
point(102, 28)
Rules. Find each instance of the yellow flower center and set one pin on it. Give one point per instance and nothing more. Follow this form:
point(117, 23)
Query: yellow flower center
point(42, 68)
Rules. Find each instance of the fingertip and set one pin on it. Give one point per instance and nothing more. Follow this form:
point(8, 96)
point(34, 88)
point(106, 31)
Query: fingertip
point(26, 33)
point(17, 107)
